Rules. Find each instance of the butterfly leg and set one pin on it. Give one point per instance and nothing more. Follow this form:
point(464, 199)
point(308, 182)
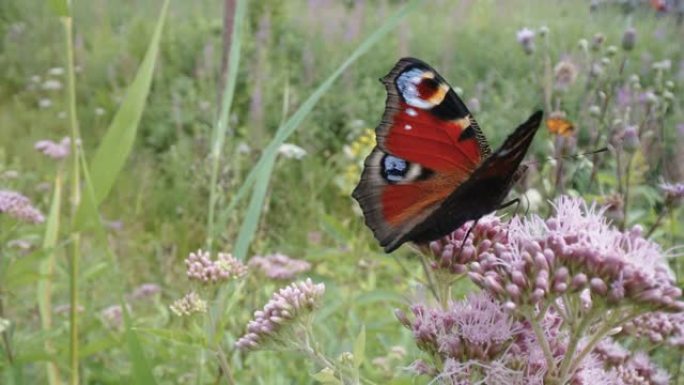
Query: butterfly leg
point(510, 203)
point(458, 257)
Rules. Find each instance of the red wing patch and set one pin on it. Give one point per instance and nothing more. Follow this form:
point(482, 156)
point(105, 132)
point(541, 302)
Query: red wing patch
point(420, 136)
point(401, 202)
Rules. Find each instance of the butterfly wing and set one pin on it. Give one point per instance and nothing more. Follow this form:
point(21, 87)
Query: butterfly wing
point(427, 144)
point(484, 191)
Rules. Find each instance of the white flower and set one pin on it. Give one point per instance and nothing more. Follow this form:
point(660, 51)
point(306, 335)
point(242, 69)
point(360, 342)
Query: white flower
point(52, 85)
point(4, 325)
point(35, 79)
point(291, 151)
point(243, 148)
point(45, 103)
point(99, 111)
point(61, 115)
point(56, 71)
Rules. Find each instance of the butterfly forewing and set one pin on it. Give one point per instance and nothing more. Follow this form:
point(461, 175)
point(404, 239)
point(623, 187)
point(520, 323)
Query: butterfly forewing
point(427, 144)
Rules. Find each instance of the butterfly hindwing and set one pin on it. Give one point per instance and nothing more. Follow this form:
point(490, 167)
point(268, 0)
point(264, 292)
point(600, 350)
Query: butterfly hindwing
point(427, 144)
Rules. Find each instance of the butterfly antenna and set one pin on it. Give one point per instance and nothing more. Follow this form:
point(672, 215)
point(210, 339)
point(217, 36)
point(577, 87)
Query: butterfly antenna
point(574, 156)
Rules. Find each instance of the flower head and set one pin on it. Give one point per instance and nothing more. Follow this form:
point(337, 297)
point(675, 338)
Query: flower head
point(629, 39)
point(54, 150)
point(19, 207)
point(573, 250)
point(113, 316)
point(674, 192)
point(288, 307)
point(279, 266)
point(291, 151)
point(565, 73)
point(190, 303)
point(145, 290)
point(202, 268)
point(525, 37)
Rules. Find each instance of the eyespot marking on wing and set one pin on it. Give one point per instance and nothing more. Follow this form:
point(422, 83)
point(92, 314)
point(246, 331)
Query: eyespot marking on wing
point(421, 88)
point(395, 170)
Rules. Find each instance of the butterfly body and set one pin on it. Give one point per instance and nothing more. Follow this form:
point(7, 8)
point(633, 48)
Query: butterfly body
point(432, 169)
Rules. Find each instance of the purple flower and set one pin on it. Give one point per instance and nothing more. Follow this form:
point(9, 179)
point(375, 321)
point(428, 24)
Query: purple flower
point(573, 250)
point(289, 306)
point(674, 192)
point(145, 290)
point(19, 207)
point(202, 268)
point(279, 266)
point(658, 327)
point(525, 38)
point(113, 316)
point(54, 150)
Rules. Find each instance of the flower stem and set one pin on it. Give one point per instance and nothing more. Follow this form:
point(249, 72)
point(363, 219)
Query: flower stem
point(574, 340)
point(539, 333)
point(75, 195)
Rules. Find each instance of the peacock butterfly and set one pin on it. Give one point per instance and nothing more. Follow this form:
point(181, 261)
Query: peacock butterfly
point(432, 169)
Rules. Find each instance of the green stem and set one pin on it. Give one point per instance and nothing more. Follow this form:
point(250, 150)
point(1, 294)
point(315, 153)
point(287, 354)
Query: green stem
point(574, 340)
point(75, 201)
point(539, 333)
point(625, 199)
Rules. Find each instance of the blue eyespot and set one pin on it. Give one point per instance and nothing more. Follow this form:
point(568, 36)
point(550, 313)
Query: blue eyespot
point(394, 169)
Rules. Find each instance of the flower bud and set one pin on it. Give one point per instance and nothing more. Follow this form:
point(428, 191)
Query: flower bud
point(598, 286)
point(612, 50)
point(629, 39)
point(597, 41)
point(583, 44)
point(595, 110)
point(630, 139)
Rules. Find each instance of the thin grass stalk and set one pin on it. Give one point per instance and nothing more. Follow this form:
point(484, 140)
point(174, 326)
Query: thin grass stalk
point(221, 126)
point(75, 199)
point(47, 269)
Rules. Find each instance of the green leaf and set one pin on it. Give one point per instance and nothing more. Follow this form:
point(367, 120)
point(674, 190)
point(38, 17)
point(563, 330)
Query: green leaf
point(142, 371)
point(327, 377)
point(360, 348)
point(111, 155)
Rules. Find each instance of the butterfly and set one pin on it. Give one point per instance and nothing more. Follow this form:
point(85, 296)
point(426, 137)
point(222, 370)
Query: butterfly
point(432, 169)
point(559, 125)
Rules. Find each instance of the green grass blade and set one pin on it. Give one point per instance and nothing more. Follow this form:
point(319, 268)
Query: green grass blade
point(256, 203)
point(263, 168)
point(221, 126)
point(47, 268)
point(142, 371)
point(117, 143)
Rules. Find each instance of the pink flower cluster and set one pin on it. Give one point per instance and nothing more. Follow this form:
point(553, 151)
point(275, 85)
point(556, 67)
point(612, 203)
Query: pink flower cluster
point(279, 266)
point(287, 306)
point(54, 150)
point(202, 268)
point(478, 339)
point(626, 367)
point(658, 327)
point(674, 192)
point(533, 259)
point(20, 207)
